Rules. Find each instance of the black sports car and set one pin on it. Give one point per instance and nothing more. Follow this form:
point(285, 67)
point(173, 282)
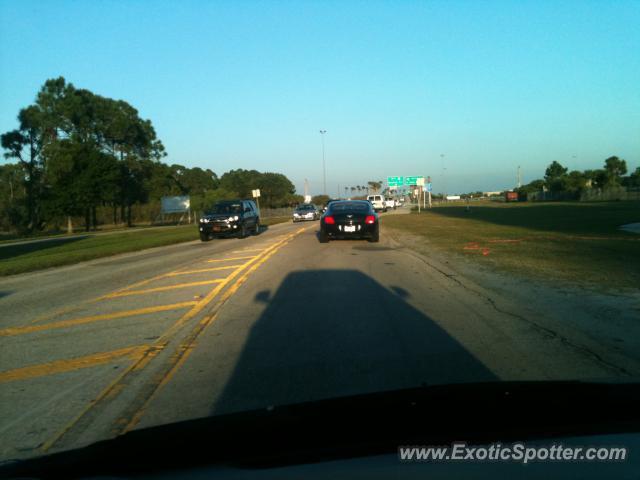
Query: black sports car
point(349, 219)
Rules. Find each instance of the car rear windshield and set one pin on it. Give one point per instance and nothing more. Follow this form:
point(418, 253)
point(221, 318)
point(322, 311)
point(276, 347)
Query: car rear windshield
point(349, 206)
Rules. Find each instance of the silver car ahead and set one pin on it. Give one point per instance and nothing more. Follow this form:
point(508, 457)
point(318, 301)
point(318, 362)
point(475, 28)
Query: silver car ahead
point(306, 211)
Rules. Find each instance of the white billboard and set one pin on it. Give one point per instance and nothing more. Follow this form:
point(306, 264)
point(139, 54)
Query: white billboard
point(176, 204)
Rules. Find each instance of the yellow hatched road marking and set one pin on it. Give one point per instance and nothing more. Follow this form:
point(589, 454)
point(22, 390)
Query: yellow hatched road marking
point(229, 259)
point(129, 287)
point(70, 364)
point(159, 344)
point(163, 288)
point(8, 332)
point(202, 270)
point(186, 348)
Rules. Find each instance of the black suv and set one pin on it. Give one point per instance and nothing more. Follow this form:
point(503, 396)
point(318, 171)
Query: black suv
point(230, 217)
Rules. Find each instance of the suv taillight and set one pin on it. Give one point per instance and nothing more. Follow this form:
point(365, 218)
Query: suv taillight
point(370, 219)
point(329, 220)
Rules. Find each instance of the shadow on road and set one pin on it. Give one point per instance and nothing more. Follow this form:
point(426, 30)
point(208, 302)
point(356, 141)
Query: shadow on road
point(12, 251)
point(332, 333)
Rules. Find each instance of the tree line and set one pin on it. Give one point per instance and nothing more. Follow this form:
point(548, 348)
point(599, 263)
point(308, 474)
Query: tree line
point(558, 178)
point(75, 151)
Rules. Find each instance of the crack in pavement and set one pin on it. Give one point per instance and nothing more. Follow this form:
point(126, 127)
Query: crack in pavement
point(549, 333)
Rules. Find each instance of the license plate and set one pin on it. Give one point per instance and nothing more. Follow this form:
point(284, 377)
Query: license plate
point(217, 229)
point(349, 228)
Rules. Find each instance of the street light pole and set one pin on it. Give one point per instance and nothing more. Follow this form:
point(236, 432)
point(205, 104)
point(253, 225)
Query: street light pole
point(444, 182)
point(324, 166)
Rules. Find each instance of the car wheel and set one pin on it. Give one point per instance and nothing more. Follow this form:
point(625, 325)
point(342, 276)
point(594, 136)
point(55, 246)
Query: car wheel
point(323, 237)
point(256, 227)
point(243, 231)
point(375, 238)
point(204, 236)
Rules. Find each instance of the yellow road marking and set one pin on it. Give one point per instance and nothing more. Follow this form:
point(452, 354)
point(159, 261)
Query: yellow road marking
point(250, 250)
point(154, 349)
point(111, 388)
point(202, 270)
point(163, 288)
point(184, 350)
point(229, 259)
point(56, 313)
point(68, 365)
point(8, 332)
point(129, 287)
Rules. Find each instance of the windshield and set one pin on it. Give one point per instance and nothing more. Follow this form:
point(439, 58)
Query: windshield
point(209, 207)
point(226, 208)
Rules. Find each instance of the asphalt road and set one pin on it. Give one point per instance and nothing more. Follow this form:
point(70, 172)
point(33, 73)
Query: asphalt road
point(96, 349)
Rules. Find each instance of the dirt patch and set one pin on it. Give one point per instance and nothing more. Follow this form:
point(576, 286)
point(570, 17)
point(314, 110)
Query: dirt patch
point(609, 316)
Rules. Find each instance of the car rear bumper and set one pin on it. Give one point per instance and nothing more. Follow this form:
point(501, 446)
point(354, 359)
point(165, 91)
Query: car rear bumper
point(342, 231)
point(219, 229)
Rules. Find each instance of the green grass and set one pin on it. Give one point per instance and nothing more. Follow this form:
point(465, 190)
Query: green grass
point(274, 220)
point(566, 241)
point(10, 237)
point(64, 251)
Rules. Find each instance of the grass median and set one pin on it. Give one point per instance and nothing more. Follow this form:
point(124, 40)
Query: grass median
point(65, 251)
point(567, 241)
point(59, 251)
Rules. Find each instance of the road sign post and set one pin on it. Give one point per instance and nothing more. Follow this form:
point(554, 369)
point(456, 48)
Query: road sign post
point(429, 190)
point(256, 195)
point(420, 183)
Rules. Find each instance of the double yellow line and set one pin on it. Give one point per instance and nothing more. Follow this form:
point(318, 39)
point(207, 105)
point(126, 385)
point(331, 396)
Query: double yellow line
point(143, 355)
point(187, 346)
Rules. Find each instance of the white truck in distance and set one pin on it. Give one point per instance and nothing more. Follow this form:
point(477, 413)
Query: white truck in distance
point(378, 202)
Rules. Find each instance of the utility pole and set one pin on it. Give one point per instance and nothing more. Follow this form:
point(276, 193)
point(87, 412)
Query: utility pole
point(519, 178)
point(324, 166)
point(444, 182)
point(424, 197)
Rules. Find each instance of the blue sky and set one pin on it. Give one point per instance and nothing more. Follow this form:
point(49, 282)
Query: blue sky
point(240, 84)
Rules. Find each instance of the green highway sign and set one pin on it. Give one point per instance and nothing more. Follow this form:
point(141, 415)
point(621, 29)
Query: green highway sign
point(411, 180)
point(395, 181)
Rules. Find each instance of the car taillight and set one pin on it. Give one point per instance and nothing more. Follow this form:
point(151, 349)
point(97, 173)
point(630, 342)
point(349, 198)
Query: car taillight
point(329, 220)
point(370, 219)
